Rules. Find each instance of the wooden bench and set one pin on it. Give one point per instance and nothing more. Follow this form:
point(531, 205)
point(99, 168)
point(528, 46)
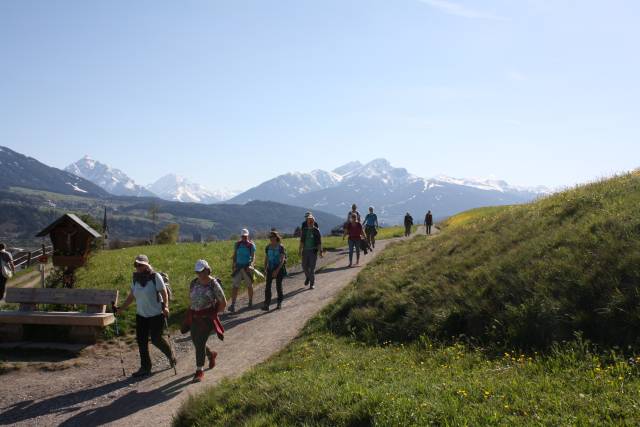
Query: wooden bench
point(85, 326)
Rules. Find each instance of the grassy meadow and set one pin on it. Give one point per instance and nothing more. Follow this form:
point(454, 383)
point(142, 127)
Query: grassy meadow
point(521, 315)
point(113, 269)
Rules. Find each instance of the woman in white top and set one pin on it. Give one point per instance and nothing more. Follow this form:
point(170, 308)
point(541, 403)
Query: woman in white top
point(151, 297)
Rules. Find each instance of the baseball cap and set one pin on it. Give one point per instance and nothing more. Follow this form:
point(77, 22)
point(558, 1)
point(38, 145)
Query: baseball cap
point(202, 265)
point(244, 232)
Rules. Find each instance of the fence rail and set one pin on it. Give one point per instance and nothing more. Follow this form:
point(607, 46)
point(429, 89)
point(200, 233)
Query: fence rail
point(31, 257)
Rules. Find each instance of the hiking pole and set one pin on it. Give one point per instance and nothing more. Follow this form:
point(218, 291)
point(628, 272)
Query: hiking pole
point(113, 308)
point(173, 351)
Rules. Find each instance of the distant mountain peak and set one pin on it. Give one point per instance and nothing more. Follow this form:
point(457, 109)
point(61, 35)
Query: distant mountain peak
point(347, 168)
point(110, 179)
point(178, 188)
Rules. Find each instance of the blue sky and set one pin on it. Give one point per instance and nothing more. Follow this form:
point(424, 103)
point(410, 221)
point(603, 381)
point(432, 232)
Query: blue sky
point(230, 93)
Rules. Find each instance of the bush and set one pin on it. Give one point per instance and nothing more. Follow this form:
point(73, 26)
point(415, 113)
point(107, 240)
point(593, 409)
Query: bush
point(168, 235)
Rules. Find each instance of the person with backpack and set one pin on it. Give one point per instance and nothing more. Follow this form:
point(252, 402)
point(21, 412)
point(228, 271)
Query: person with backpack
point(149, 292)
point(206, 301)
point(408, 223)
point(353, 211)
point(304, 223)
point(274, 264)
point(244, 252)
point(371, 227)
point(428, 222)
point(310, 248)
point(7, 268)
point(356, 234)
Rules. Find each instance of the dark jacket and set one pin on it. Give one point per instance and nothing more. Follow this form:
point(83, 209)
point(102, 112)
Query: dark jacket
point(428, 219)
point(317, 236)
point(408, 220)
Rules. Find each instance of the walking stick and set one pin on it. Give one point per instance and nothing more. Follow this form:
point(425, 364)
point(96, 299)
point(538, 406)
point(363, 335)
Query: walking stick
point(113, 309)
point(173, 351)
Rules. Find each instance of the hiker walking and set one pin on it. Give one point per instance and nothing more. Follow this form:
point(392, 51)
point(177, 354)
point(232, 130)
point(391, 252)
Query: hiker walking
point(244, 253)
point(274, 264)
point(356, 234)
point(408, 223)
point(371, 227)
point(206, 300)
point(304, 223)
point(7, 268)
point(428, 222)
point(310, 248)
point(353, 211)
point(152, 305)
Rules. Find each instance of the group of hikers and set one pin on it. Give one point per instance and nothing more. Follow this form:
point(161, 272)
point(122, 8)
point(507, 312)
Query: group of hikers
point(152, 295)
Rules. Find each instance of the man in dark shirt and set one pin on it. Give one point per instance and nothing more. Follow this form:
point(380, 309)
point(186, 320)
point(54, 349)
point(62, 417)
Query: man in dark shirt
point(428, 222)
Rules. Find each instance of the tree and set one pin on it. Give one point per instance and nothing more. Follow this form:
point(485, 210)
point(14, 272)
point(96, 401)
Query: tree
point(168, 235)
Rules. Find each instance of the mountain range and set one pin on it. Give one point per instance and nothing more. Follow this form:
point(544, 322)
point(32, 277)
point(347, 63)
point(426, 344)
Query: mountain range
point(18, 170)
point(169, 187)
point(392, 191)
point(33, 194)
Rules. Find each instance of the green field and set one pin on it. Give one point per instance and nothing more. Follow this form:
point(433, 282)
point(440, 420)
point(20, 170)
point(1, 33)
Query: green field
point(113, 269)
point(524, 315)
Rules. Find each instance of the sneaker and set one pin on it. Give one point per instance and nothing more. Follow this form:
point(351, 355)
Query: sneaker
point(306, 282)
point(311, 286)
point(264, 308)
point(142, 372)
point(211, 355)
point(279, 306)
point(232, 308)
point(199, 376)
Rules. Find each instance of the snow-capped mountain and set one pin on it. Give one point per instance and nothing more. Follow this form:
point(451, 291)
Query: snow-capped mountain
point(491, 184)
point(18, 170)
point(392, 191)
point(289, 186)
point(110, 179)
point(177, 188)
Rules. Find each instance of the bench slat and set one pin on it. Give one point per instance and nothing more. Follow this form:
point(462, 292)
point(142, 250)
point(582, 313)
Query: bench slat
point(61, 296)
point(56, 318)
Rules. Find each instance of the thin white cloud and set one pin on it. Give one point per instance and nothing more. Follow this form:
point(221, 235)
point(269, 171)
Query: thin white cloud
point(458, 9)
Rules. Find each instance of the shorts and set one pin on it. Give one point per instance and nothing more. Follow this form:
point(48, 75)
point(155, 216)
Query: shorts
point(241, 276)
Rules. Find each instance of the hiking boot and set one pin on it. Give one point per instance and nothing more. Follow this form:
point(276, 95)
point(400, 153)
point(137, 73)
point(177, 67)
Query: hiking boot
point(198, 377)
point(142, 372)
point(211, 355)
point(232, 308)
point(306, 282)
point(264, 308)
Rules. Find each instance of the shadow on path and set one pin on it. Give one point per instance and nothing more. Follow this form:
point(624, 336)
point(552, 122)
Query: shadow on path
point(128, 404)
point(70, 402)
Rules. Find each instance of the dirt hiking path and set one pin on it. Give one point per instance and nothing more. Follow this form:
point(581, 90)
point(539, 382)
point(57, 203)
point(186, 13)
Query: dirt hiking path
point(90, 390)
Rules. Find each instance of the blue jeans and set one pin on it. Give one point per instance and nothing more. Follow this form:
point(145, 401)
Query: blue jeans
point(354, 244)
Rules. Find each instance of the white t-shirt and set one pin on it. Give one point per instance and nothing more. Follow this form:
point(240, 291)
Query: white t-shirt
point(148, 302)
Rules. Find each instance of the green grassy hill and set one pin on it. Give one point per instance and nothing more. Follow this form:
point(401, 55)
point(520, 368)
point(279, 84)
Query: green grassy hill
point(522, 276)
point(444, 331)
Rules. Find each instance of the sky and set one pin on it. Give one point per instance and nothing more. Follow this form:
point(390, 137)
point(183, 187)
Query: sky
point(231, 93)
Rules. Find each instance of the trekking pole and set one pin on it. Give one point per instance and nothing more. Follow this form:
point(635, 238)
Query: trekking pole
point(173, 351)
point(113, 309)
